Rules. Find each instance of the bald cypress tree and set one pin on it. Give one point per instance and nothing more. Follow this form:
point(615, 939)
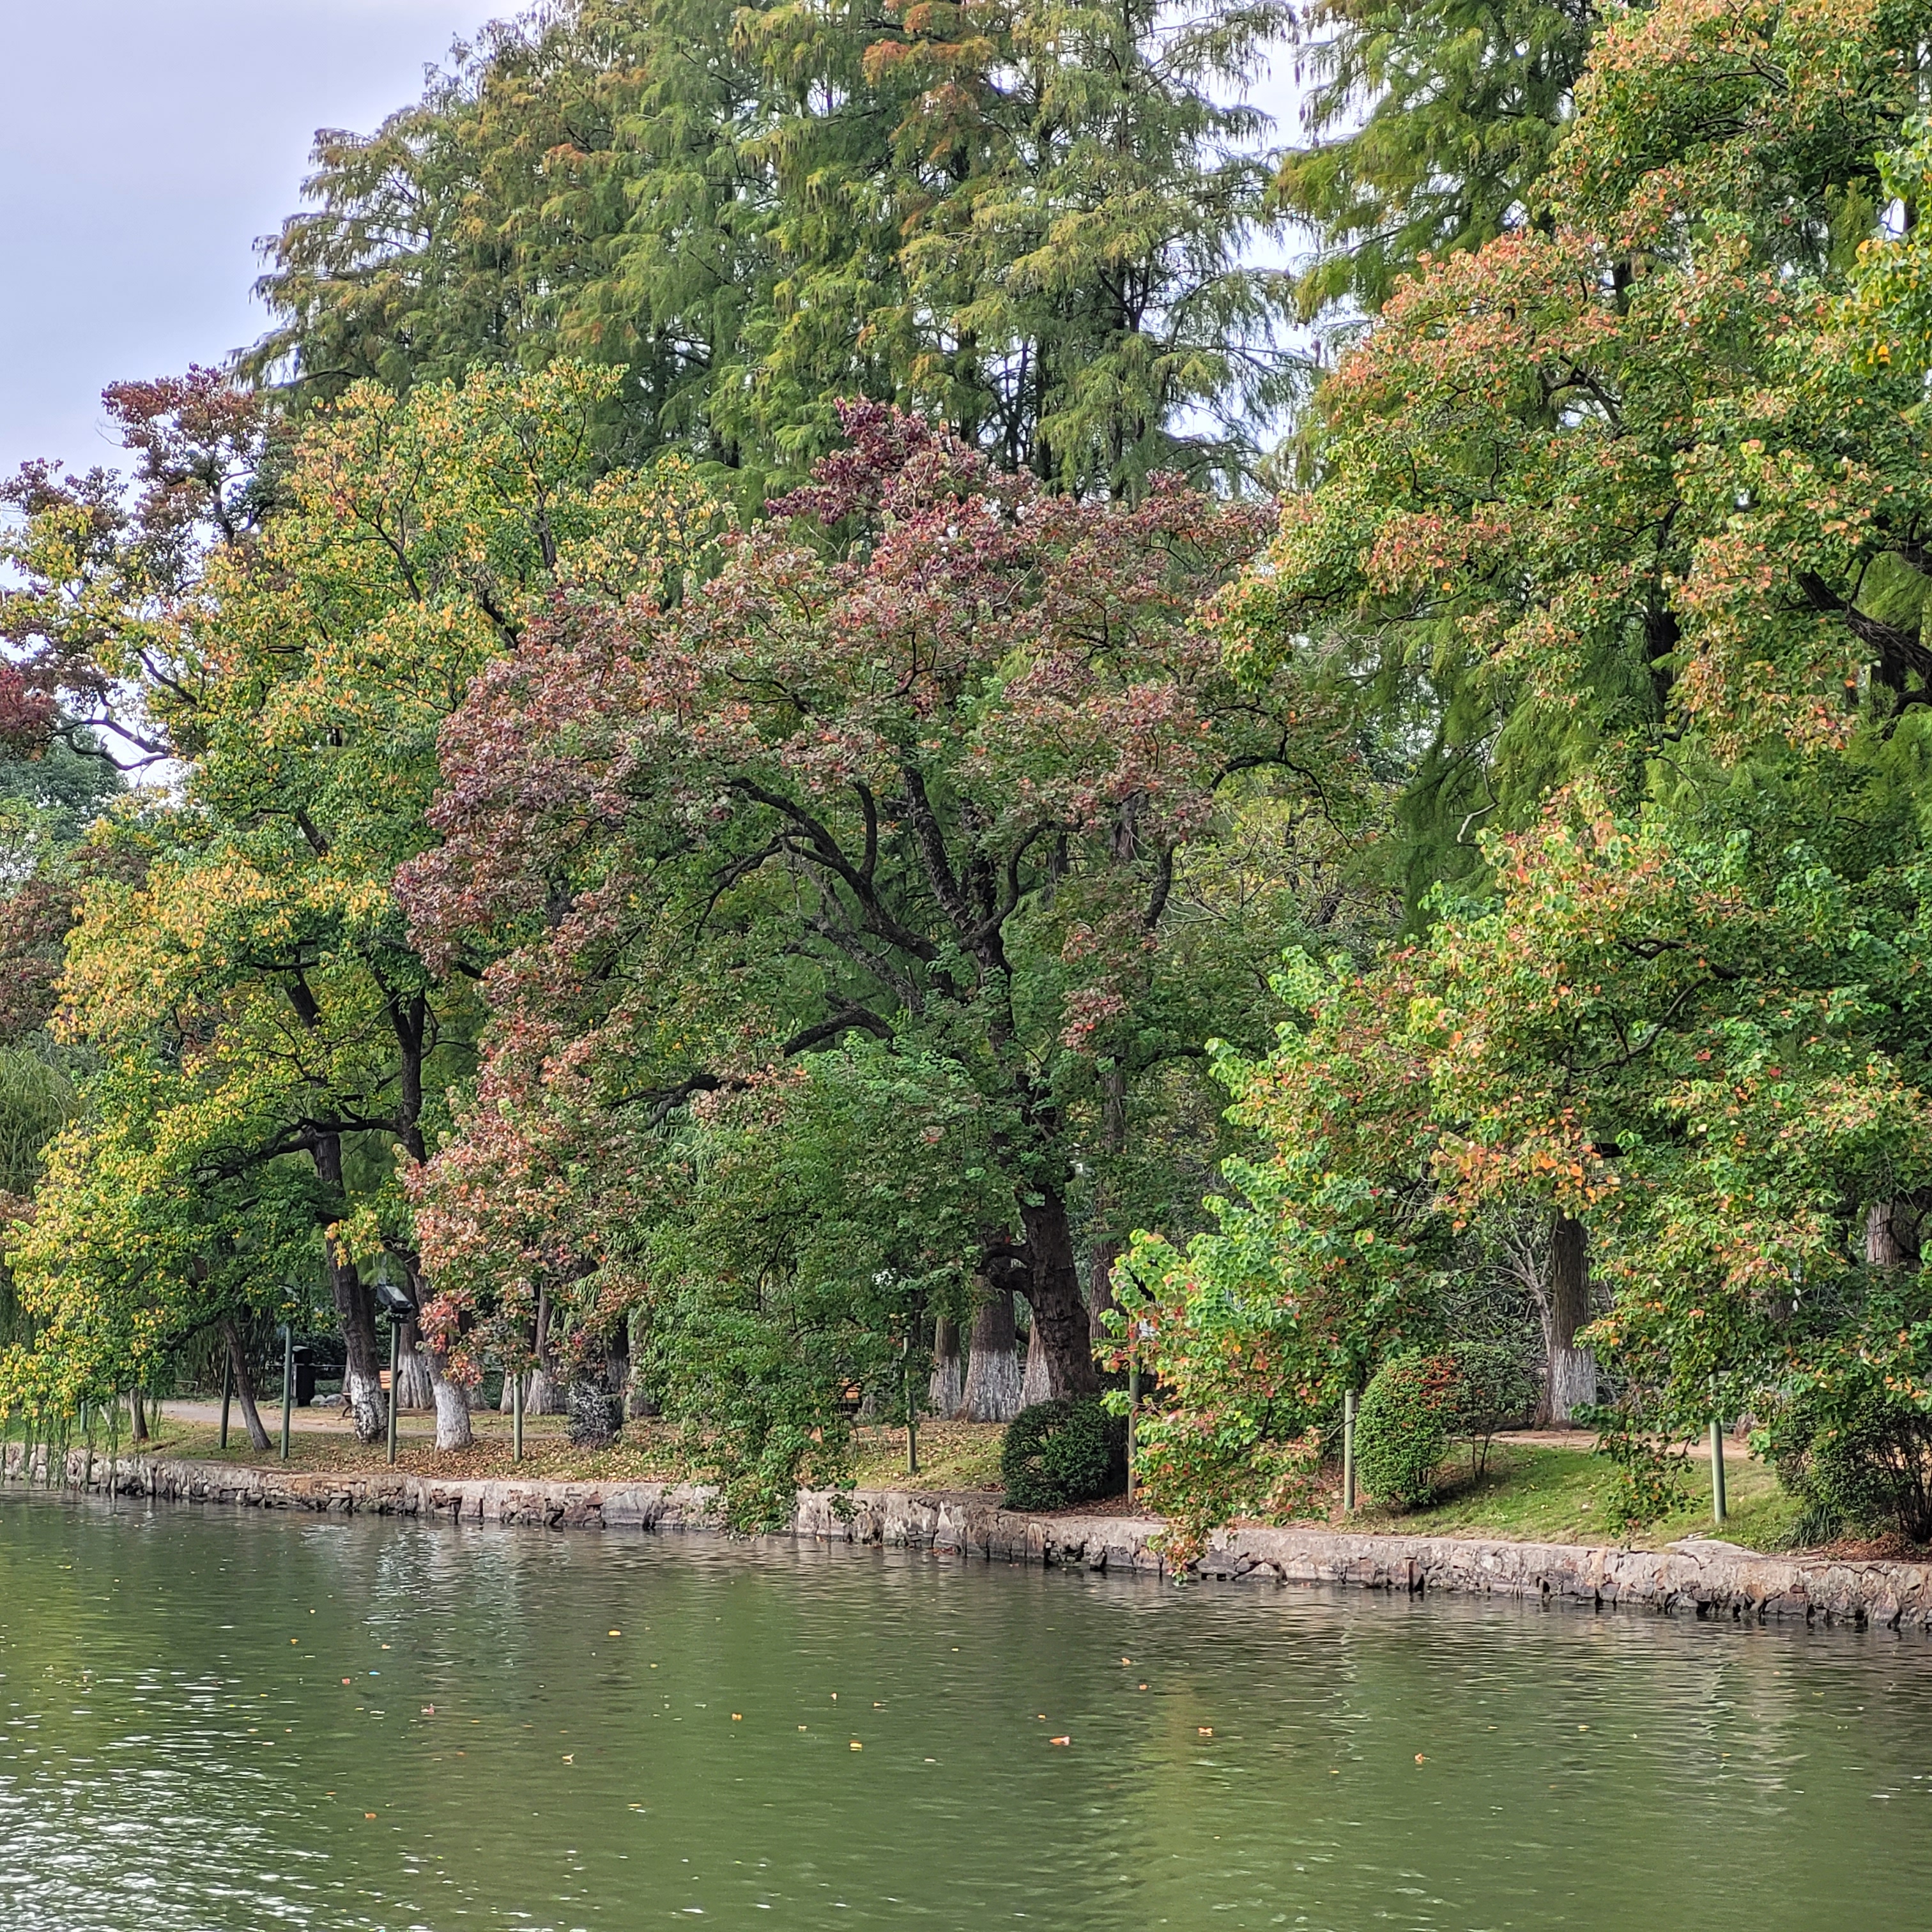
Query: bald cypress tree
point(1428, 125)
point(1032, 224)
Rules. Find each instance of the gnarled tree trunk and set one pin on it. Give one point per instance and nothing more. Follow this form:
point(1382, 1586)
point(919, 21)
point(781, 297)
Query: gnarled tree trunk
point(546, 1393)
point(1052, 1290)
point(992, 1391)
point(356, 1311)
point(1570, 1382)
point(1891, 1234)
point(416, 1387)
point(1100, 1301)
point(452, 1399)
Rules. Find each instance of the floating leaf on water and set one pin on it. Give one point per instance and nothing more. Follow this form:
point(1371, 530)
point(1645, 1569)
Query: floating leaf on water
point(1059, 1741)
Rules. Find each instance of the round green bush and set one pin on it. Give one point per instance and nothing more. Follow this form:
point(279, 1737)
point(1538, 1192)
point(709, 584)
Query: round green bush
point(1067, 1450)
point(1858, 1455)
point(1403, 1426)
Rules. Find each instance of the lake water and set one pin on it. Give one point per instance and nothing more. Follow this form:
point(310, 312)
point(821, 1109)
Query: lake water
point(212, 1721)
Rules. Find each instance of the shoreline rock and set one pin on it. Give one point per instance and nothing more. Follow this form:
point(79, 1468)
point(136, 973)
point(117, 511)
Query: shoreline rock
point(1699, 1577)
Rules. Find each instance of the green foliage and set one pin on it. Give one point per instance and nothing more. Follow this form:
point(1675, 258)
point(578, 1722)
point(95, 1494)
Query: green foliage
point(1493, 1390)
point(1649, 1480)
point(1408, 1412)
point(1324, 1257)
point(37, 1099)
point(271, 1049)
point(1068, 1451)
point(1613, 550)
point(1851, 1432)
point(785, 1250)
point(888, 950)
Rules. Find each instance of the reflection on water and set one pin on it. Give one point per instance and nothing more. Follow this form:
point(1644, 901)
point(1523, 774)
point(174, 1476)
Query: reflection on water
point(211, 1721)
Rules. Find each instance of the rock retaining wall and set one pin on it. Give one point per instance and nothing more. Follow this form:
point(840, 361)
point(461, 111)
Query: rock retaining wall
point(1698, 1577)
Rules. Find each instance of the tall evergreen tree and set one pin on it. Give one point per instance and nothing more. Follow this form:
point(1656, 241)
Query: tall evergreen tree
point(1429, 124)
point(1032, 223)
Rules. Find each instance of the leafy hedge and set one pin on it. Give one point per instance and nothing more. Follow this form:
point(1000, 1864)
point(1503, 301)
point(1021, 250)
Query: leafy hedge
point(1417, 1405)
point(1402, 1428)
point(1067, 1450)
point(1859, 1455)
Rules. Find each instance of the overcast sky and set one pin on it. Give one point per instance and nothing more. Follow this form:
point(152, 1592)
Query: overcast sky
point(144, 145)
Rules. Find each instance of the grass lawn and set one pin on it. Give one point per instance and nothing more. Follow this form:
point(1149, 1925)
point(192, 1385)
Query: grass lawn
point(1532, 1492)
point(952, 1455)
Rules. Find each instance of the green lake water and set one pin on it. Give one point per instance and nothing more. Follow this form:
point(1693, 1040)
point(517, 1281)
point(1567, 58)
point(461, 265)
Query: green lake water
point(224, 1722)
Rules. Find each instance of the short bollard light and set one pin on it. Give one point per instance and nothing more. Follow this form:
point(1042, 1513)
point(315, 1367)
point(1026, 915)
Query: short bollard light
point(399, 1306)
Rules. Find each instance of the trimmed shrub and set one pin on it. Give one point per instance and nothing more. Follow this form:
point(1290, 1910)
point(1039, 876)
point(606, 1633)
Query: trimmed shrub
point(595, 1415)
point(1067, 1450)
point(1858, 1455)
point(1403, 1426)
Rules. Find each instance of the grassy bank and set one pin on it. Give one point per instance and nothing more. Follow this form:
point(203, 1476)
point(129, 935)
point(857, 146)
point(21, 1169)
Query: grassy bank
point(952, 1455)
point(1532, 1492)
point(1536, 1493)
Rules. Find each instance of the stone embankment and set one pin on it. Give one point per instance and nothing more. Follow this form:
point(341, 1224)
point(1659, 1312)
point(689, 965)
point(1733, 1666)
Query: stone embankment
point(1698, 1577)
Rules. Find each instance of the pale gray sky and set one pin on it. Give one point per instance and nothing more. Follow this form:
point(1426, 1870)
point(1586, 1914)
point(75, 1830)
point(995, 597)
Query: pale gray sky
point(144, 145)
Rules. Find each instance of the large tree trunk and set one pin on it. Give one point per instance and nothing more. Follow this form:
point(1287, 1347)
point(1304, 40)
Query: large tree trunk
point(452, 1402)
point(1034, 1386)
point(355, 1311)
point(619, 1371)
point(947, 1389)
point(138, 1409)
point(416, 1386)
point(992, 1391)
point(1570, 1382)
point(1104, 1253)
point(244, 1387)
point(1891, 1234)
point(546, 1395)
point(1053, 1291)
